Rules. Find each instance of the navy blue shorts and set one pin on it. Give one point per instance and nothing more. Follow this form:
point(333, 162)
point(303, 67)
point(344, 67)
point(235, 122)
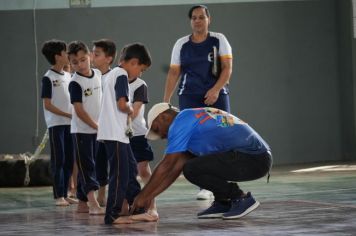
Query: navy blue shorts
point(197, 100)
point(141, 149)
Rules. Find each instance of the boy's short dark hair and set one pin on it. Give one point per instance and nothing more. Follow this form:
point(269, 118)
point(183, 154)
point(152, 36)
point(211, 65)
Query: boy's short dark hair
point(108, 47)
point(138, 51)
point(76, 46)
point(51, 48)
point(190, 13)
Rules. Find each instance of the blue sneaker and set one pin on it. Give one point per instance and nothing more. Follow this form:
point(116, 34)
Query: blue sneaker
point(216, 210)
point(241, 207)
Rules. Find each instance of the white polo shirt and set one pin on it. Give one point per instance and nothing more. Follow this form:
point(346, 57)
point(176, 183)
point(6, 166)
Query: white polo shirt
point(57, 91)
point(112, 121)
point(86, 90)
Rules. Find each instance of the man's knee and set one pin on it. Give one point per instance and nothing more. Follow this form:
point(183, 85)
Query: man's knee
point(188, 170)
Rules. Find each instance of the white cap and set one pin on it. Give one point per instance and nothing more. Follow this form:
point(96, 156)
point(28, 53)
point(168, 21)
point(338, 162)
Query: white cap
point(152, 115)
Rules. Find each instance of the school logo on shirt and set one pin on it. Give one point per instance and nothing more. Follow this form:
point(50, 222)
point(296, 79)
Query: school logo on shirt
point(56, 83)
point(88, 92)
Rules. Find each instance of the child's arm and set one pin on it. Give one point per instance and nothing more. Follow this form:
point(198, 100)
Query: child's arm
point(84, 116)
point(46, 95)
point(75, 92)
point(52, 108)
point(136, 107)
point(122, 94)
point(124, 106)
point(140, 97)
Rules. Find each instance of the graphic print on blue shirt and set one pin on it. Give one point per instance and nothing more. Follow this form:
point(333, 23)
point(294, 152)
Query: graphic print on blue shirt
point(204, 131)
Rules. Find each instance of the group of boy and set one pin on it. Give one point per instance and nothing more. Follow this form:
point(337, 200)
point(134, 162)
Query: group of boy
point(88, 115)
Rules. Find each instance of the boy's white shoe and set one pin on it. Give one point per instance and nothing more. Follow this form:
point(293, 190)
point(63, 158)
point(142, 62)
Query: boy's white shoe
point(204, 195)
point(61, 202)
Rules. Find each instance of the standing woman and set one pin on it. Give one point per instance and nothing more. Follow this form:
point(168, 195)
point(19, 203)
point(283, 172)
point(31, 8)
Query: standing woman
point(192, 61)
point(203, 63)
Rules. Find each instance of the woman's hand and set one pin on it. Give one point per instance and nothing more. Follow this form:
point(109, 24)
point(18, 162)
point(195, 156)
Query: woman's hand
point(211, 96)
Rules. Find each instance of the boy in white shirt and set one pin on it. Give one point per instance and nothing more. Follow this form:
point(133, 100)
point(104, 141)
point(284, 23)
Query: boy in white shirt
point(139, 144)
point(104, 54)
point(85, 93)
point(112, 130)
point(57, 111)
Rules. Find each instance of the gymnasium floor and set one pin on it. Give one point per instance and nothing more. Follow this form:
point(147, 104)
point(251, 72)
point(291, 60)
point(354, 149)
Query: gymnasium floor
point(318, 202)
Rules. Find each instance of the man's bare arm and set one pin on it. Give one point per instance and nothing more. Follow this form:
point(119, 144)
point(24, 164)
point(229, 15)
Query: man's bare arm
point(166, 172)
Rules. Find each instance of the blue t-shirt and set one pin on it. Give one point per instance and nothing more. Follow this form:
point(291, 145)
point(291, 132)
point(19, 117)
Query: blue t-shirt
point(204, 131)
point(196, 61)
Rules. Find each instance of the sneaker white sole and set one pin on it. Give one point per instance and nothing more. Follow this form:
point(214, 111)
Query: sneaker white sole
point(211, 216)
point(251, 208)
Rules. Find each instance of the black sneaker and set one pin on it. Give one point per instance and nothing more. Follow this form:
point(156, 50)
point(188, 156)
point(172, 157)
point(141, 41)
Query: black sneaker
point(216, 210)
point(241, 207)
